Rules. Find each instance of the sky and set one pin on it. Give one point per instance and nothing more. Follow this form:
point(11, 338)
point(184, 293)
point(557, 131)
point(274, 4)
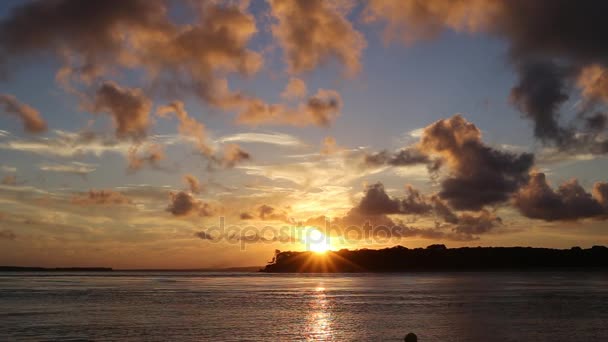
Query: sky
point(190, 134)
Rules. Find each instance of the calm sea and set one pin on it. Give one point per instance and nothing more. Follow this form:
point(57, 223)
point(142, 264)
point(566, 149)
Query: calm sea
point(164, 306)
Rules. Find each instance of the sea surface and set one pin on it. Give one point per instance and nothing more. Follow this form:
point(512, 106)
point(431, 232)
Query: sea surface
point(178, 306)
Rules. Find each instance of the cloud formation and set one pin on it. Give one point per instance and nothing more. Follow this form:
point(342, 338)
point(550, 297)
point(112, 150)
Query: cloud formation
point(312, 32)
point(554, 46)
point(320, 109)
point(193, 184)
point(295, 89)
point(569, 202)
point(32, 121)
point(89, 39)
point(266, 212)
point(184, 204)
point(128, 107)
point(188, 126)
point(479, 175)
point(234, 155)
point(152, 155)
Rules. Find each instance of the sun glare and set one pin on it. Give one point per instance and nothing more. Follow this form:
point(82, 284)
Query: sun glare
point(316, 241)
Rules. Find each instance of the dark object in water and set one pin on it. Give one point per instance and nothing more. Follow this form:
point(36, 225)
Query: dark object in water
point(411, 337)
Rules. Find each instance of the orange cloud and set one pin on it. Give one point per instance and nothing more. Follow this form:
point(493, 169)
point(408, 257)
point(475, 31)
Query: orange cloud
point(312, 32)
point(32, 122)
point(188, 126)
point(153, 155)
point(128, 107)
point(193, 184)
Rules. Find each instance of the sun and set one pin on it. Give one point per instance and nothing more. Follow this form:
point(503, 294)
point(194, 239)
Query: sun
point(316, 241)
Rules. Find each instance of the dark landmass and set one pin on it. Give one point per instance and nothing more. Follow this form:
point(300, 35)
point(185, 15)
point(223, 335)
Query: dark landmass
point(56, 269)
point(439, 258)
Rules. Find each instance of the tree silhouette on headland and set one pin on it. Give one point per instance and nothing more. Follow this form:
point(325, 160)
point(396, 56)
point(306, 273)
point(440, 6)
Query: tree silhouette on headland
point(439, 257)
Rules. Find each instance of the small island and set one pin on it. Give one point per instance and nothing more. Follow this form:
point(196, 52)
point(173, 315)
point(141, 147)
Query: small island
point(438, 258)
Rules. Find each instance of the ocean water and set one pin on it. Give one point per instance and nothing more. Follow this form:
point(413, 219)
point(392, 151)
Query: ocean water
point(164, 306)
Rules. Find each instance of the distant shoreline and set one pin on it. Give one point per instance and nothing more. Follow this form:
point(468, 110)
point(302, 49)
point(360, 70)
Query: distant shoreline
point(439, 258)
point(109, 269)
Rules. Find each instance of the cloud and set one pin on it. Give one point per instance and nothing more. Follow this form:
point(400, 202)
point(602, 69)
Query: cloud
point(554, 45)
point(234, 155)
point(128, 107)
point(91, 42)
point(295, 89)
point(320, 109)
point(32, 121)
point(266, 212)
point(479, 175)
point(539, 93)
point(279, 139)
point(151, 156)
point(570, 202)
point(376, 204)
point(407, 156)
point(77, 168)
point(7, 234)
point(184, 204)
point(68, 144)
point(246, 216)
point(193, 184)
point(330, 146)
point(101, 197)
point(188, 126)
point(204, 235)
point(312, 32)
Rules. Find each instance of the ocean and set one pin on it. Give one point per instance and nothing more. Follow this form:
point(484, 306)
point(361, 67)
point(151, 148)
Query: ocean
point(180, 306)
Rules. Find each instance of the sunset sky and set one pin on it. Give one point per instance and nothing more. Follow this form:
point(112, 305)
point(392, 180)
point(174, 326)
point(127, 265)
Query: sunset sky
point(129, 127)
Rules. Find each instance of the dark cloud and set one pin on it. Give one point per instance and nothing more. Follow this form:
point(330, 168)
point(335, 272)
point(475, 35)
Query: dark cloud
point(32, 121)
point(128, 107)
point(554, 45)
point(404, 157)
point(184, 204)
point(376, 204)
point(569, 202)
point(539, 94)
point(479, 175)
point(246, 216)
point(203, 235)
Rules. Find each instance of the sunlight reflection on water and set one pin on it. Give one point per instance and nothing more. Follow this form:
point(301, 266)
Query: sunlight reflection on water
point(465, 306)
